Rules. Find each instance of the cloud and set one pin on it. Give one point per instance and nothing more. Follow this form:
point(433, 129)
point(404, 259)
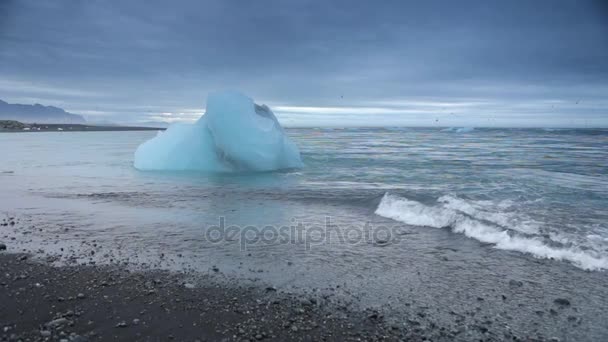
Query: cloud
point(35, 88)
point(377, 60)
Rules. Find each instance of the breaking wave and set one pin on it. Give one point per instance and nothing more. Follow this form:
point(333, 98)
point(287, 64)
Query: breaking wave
point(505, 230)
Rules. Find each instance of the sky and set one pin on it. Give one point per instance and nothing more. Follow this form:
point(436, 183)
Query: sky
point(541, 63)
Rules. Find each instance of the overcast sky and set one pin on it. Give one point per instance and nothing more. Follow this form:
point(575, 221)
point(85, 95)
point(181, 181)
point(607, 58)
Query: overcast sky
point(340, 63)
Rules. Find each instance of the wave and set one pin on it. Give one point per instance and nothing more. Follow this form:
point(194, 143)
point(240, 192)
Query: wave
point(562, 179)
point(459, 129)
point(502, 229)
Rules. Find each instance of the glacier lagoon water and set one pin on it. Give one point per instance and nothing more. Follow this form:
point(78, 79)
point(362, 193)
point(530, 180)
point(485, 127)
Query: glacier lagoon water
point(467, 212)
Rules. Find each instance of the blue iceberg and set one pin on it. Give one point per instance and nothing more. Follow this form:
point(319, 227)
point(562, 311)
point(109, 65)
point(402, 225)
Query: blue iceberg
point(235, 134)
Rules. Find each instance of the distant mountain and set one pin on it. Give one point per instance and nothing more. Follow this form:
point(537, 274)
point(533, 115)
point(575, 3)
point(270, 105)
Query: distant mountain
point(38, 114)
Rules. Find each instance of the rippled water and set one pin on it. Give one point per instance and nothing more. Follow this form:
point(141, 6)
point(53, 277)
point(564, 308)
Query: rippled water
point(424, 217)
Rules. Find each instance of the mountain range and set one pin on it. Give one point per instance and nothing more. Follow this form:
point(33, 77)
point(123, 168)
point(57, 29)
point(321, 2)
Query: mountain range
point(38, 113)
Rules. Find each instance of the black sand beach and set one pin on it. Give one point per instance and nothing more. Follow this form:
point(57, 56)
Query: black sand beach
point(83, 303)
point(103, 303)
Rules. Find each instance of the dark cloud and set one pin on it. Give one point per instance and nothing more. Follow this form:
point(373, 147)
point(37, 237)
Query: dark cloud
point(129, 59)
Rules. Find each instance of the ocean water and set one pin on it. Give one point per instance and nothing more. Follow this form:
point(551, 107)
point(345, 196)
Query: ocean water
point(395, 219)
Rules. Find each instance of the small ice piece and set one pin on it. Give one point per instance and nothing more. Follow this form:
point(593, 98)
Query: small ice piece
point(459, 129)
point(234, 134)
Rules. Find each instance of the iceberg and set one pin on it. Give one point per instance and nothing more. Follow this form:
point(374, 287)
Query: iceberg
point(234, 135)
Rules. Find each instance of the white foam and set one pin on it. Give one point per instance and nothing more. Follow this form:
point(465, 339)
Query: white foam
point(459, 129)
point(485, 211)
point(414, 213)
point(597, 238)
point(463, 217)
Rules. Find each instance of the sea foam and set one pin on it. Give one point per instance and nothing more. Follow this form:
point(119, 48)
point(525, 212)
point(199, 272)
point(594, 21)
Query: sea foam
point(459, 129)
point(500, 229)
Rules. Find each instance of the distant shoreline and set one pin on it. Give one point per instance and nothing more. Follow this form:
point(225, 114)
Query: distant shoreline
point(9, 126)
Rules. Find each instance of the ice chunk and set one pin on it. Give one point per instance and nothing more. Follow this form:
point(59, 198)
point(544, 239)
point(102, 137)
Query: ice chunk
point(234, 134)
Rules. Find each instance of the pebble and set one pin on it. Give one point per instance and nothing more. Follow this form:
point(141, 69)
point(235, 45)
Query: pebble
point(515, 283)
point(45, 333)
point(189, 286)
point(57, 322)
point(307, 302)
point(121, 325)
point(2, 247)
point(81, 296)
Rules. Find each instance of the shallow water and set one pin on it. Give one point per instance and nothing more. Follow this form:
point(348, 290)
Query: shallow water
point(398, 218)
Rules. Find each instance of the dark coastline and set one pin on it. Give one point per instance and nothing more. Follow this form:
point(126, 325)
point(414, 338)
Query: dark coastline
point(33, 128)
point(40, 302)
point(101, 303)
